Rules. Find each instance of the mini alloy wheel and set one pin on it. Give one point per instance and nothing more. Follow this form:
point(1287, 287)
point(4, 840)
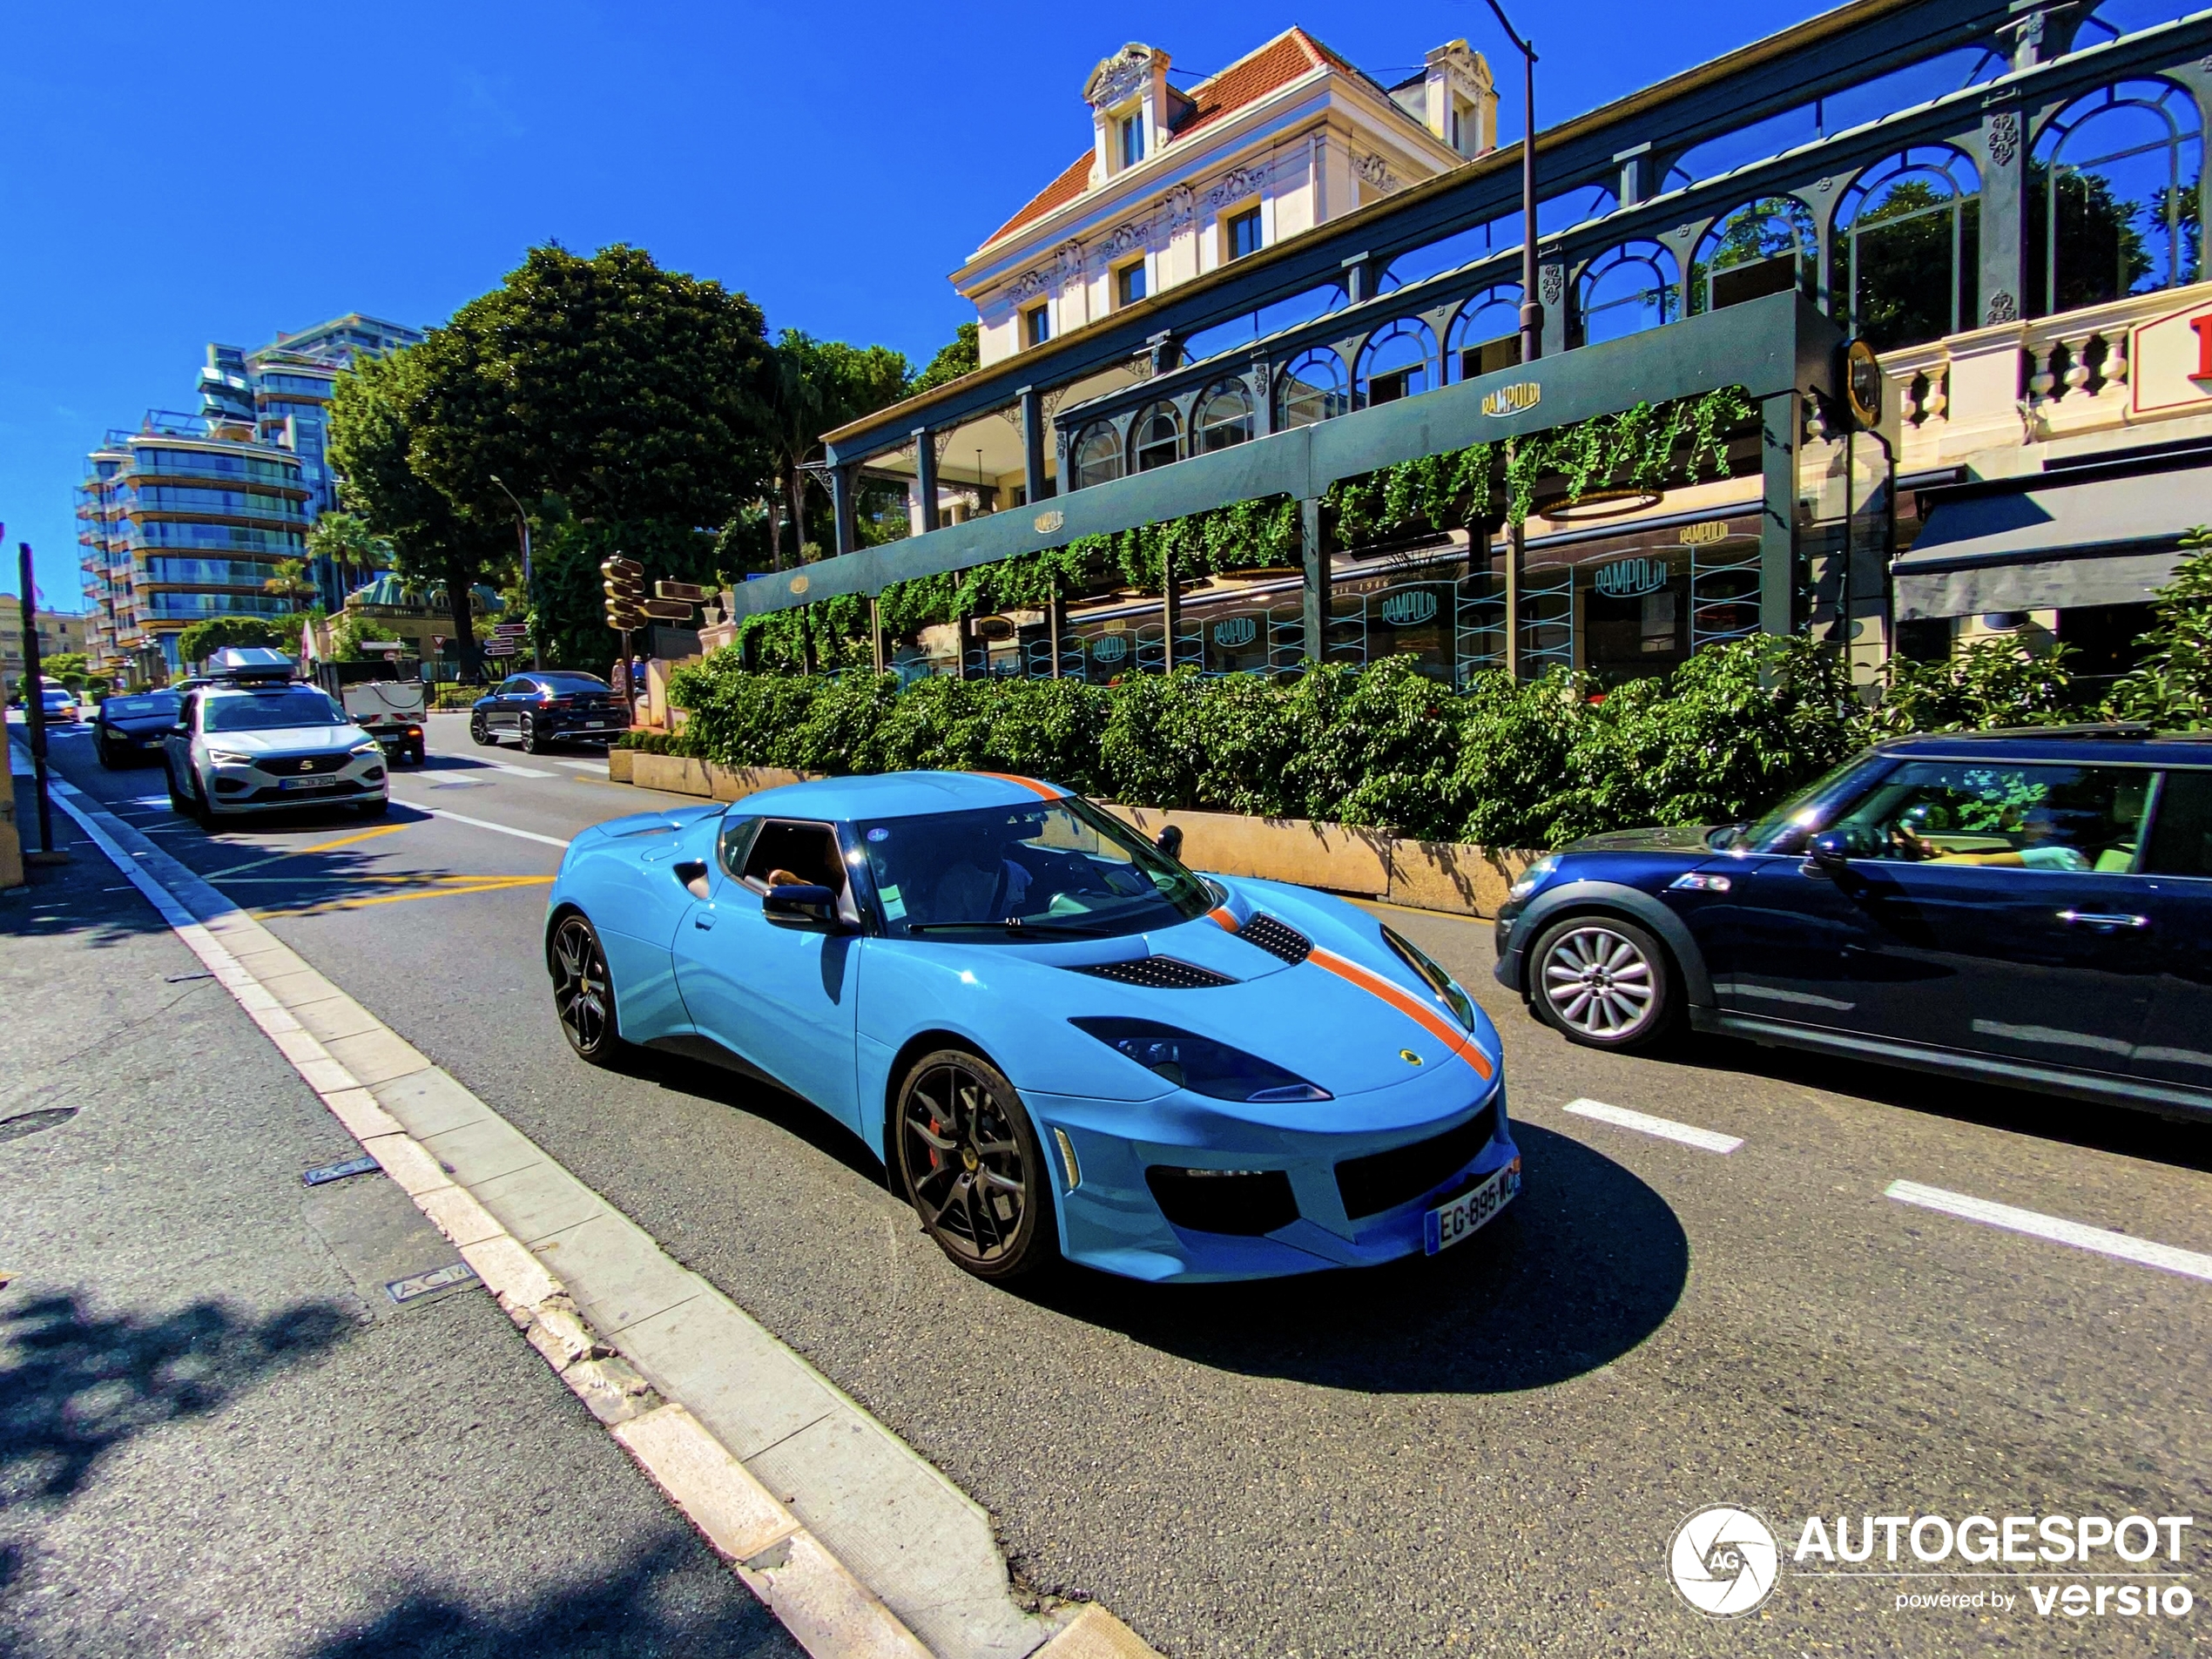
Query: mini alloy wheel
point(1603, 983)
point(973, 1166)
point(583, 996)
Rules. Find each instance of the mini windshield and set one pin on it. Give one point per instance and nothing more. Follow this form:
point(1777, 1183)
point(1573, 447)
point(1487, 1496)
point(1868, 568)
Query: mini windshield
point(271, 711)
point(1787, 827)
point(140, 705)
point(1055, 869)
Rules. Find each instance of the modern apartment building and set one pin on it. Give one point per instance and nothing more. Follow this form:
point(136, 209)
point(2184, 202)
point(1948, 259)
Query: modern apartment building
point(188, 516)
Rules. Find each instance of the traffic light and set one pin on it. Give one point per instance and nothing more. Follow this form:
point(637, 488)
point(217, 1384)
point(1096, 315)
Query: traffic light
point(624, 582)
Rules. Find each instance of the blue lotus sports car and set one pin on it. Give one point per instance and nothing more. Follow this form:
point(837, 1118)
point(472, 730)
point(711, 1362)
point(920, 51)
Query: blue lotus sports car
point(1061, 1041)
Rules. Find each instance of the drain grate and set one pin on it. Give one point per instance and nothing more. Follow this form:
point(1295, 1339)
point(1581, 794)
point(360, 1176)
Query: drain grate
point(13, 1129)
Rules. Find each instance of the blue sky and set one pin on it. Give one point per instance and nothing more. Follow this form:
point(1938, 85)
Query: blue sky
point(171, 175)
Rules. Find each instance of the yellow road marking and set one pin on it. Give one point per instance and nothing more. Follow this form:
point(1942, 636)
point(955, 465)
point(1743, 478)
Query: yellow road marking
point(301, 851)
point(313, 904)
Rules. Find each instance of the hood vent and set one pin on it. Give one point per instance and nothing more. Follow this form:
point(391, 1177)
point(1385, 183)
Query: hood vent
point(1276, 939)
point(1160, 973)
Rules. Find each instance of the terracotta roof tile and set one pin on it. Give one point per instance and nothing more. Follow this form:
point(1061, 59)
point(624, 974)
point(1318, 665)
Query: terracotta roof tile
point(1276, 64)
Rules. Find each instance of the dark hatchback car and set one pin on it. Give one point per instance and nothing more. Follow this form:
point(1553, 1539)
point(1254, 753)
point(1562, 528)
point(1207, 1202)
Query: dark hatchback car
point(2031, 908)
point(129, 727)
point(549, 706)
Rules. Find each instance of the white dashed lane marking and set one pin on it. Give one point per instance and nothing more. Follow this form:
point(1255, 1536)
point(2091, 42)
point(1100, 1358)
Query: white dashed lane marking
point(511, 769)
point(596, 768)
point(2102, 1240)
point(486, 824)
point(1705, 1140)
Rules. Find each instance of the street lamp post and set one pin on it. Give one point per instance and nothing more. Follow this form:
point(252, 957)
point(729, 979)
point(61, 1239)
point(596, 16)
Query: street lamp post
point(1532, 309)
point(522, 532)
point(1532, 321)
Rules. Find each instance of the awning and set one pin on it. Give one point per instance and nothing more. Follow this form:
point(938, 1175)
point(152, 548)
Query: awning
point(2105, 540)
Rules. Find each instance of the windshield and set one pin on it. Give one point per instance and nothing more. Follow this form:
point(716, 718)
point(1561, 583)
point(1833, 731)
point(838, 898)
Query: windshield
point(132, 705)
point(570, 684)
point(271, 711)
point(1057, 867)
point(1785, 828)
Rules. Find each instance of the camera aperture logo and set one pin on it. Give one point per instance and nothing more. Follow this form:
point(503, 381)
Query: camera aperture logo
point(1723, 1561)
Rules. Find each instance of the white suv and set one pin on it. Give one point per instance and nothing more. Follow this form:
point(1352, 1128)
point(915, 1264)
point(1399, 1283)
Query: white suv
point(251, 748)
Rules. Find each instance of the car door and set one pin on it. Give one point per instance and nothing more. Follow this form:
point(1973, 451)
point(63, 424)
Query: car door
point(176, 744)
point(506, 704)
point(2176, 1046)
point(1987, 906)
point(782, 995)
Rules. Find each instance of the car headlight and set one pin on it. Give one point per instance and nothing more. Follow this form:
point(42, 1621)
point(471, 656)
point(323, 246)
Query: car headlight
point(1534, 876)
point(369, 746)
point(1427, 966)
point(1200, 1064)
point(228, 758)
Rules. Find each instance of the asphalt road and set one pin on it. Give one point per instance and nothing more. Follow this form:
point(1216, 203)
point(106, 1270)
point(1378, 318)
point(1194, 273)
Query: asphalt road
point(218, 1434)
point(1485, 1452)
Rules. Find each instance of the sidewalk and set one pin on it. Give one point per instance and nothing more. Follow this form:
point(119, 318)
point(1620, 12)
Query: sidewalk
point(219, 1432)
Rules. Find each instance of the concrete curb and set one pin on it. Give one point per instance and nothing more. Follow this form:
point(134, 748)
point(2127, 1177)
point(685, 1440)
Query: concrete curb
point(820, 1599)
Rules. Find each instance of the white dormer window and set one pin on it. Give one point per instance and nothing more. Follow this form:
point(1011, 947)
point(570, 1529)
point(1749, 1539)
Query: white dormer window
point(1131, 136)
point(1459, 126)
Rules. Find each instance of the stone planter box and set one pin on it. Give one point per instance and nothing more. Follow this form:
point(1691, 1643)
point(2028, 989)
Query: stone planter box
point(618, 764)
point(1423, 875)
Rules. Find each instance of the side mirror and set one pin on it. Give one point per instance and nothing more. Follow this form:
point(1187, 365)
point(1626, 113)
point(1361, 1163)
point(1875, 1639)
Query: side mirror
point(1169, 839)
point(802, 903)
point(1827, 853)
point(182, 728)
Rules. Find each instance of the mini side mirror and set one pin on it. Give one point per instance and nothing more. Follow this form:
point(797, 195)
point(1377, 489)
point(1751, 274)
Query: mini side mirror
point(1169, 839)
point(1827, 853)
point(804, 903)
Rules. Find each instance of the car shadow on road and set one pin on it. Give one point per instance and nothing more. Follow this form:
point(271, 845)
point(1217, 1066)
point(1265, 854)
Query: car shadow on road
point(76, 1383)
point(2118, 1130)
point(1581, 1268)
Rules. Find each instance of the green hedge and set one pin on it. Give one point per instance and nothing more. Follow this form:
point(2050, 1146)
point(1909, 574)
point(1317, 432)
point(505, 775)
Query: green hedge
point(1532, 766)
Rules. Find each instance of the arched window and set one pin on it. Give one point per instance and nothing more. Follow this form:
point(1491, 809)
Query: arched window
point(1907, 262)
point(1625, 291)
point(1763, 247)
point(1223, 417)
point(1486, 336)
point(1155, 439)
point(2112, 186)
point(1399, 361)
point(1097, 455)
point(1311, 389)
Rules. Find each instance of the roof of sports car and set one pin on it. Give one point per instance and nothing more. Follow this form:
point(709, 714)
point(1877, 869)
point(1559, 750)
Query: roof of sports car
point(897, 794)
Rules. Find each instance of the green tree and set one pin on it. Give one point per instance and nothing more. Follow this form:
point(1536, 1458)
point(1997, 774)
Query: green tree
point(816, 386)
point(2172, 686)
point(961, 354)
point(354, 550)
point(288, 579)
point(382, 411)
point(349, 630)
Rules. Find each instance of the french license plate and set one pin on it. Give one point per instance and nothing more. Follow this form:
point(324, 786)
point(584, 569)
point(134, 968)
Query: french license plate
point(598, 723)
point(307, 783)
point(1456, 1222)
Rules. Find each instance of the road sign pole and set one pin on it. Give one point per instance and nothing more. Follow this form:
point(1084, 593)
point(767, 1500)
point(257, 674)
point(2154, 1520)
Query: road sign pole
point(34, 705)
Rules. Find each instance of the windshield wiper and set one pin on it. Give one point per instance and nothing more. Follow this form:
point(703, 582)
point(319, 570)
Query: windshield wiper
point(1014, 925)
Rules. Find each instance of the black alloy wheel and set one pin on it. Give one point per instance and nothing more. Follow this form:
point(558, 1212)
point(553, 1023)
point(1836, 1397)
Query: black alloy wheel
point(532, 744)
point(179, 802)
point(973, 1166)
point(480, 732)
point(583, 994)
point(104, 752)
point(1603, 983)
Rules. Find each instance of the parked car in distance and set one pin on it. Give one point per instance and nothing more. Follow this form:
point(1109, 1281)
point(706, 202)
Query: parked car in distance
point(2031, 908)
point(130, 727)
point(1061, 1041)
point(59, 704)
point(548, 705)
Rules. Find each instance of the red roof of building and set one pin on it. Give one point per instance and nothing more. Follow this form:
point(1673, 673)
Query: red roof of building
point(1250, 78)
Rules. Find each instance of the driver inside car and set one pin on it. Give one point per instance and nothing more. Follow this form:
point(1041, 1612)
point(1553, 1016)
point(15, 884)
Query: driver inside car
point(2038, 849)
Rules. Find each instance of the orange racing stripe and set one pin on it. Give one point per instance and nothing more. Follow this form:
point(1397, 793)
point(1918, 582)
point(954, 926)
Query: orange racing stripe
point(1429, 1019)
point(1226, 916)
point(1030, 784)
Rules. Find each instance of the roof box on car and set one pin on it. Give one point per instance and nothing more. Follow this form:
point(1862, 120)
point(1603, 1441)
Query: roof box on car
point(249, 665)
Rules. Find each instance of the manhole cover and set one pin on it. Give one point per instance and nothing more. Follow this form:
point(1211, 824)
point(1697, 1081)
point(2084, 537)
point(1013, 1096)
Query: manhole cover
point(13, 1129)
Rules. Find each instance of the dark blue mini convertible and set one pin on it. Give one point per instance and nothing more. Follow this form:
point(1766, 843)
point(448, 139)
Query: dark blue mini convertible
point(2033, 908)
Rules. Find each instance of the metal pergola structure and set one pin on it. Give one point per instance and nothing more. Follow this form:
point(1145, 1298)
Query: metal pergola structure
point(1774, 347)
